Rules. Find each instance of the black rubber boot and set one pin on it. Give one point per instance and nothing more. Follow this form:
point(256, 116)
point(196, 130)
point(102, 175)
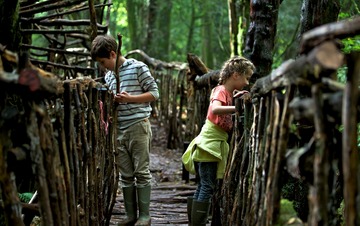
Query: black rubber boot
point(199, 213)
point(189, 208)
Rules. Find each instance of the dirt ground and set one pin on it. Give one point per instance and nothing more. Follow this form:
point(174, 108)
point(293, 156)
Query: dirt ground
point(169, 191)
point(165, 164)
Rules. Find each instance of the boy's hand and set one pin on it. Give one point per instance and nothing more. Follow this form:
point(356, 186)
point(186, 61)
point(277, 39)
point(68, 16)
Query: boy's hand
point(122, 97)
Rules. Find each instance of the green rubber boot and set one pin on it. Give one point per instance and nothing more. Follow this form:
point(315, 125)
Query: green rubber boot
point(144, 204)
point(189, 208)
point(199, 213)
point(130, 204)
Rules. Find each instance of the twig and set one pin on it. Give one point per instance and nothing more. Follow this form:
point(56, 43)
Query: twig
point(118, 53)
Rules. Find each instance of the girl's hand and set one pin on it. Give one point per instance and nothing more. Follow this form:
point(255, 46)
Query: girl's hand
point(240, 93)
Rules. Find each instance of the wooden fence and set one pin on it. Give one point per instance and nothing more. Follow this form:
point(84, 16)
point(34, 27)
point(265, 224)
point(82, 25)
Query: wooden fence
point(58, 143)
point(301, 124)
point(67, 28)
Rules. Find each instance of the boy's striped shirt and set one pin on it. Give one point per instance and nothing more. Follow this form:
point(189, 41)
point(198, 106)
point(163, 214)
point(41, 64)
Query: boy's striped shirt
point(135, 79)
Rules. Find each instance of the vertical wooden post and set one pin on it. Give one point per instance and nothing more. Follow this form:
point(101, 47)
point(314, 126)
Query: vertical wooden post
point(350, 153)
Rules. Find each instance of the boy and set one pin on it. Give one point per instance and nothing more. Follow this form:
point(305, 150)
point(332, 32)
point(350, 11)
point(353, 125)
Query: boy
point(137, 89)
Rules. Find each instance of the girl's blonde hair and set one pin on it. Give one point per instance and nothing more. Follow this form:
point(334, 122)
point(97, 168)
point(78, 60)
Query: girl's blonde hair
point(235, 64)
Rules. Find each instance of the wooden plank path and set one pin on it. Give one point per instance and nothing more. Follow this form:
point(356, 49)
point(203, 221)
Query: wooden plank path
point(167, 207)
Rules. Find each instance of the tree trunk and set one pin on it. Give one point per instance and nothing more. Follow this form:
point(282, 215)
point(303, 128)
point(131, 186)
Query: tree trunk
point(238, 23)
point(207, 36)
point(9, 23)
point(150, 48)
point(137, 17)
point(164, 21)
point(190, 37)
point(316, 13)
point(261, 35)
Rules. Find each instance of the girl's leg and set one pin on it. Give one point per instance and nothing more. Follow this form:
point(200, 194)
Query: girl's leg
point(207, 175)
point(197, 191)
point(201, 205)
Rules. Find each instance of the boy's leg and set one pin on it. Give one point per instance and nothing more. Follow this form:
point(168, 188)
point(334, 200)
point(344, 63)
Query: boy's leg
point(130, 203)
point(127, 180)
point(140, 141)
point(144, 206)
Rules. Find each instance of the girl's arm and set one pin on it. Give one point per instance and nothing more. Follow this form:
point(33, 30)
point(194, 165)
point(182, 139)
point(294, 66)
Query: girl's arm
point(218, 109)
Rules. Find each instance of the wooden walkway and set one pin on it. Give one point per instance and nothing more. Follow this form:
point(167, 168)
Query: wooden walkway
point(167, 207)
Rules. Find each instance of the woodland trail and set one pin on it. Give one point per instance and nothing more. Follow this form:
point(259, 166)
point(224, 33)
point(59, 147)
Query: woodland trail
point(167, 206)
point(169, 192)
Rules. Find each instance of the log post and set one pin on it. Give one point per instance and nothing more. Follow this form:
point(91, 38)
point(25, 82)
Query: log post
point(350, 153)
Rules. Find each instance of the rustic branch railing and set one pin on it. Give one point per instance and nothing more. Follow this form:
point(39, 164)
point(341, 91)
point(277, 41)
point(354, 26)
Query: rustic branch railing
point(62, 32)
point(66, 132)
point(292, 128)
point(66, 129)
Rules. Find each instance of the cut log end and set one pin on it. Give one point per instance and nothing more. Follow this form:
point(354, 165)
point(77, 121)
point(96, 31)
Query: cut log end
point(328, 56)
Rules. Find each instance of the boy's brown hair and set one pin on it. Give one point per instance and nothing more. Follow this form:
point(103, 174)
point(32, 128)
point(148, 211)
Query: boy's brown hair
point(102, 45)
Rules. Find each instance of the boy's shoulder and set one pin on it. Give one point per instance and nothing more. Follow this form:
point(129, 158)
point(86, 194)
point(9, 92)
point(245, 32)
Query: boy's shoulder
point(131, 61)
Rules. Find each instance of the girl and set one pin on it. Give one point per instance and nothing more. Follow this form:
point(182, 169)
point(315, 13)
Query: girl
point(207, 154)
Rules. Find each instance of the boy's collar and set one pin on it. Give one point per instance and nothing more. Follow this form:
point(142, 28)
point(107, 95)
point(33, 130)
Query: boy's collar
point(127, 62)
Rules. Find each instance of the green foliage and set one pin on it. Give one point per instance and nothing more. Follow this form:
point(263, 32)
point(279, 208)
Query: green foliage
point(287, 213)
point(25, 197)
point(341, 128)
point(349, 8)
point(340, 212)
point(287, 32)
point(341, 74)
point(286, 42)
point(296, 191)
point(119, 24)
point(181, 30)
point(351, 44)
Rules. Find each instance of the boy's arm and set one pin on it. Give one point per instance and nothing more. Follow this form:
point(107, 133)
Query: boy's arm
point(125, 97)
point(147, 82)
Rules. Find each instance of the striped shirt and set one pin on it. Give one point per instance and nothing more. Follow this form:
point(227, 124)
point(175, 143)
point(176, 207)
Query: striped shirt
point(135, 79)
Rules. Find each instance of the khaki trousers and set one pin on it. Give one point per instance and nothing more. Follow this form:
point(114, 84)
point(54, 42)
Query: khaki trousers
point(134, 147)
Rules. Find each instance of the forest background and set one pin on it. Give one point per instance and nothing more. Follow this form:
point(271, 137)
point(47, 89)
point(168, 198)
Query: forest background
point(169, 29)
